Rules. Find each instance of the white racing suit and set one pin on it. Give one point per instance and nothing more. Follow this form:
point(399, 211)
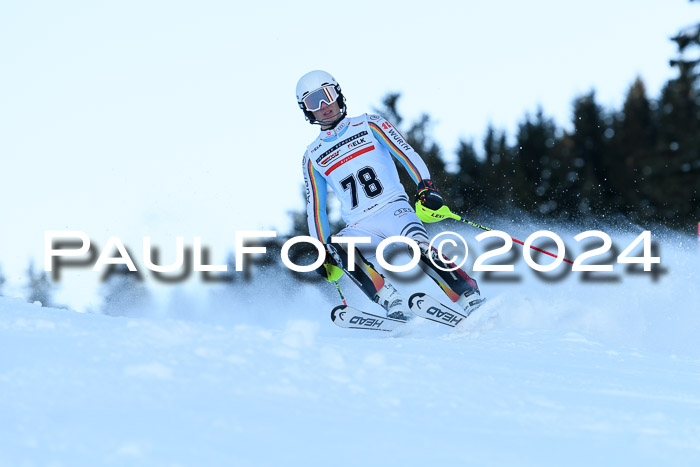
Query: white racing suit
point(355, 159)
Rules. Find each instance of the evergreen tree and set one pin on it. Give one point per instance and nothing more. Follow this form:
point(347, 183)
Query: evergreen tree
point(533, 159)
point(633, 151)
point(674, 179)
point(565, 176)
point(39, 287)
point(124, 293)
point(466, 193)
point(389, 110)
point(2, 281)
point(495, 170)
point(589, 152)
point(561, 201)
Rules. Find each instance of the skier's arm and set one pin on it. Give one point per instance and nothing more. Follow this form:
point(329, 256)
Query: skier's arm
point(316, 191)
point(428, 198)
point(389, 137)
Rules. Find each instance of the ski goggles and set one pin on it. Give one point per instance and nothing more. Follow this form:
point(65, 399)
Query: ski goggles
point(312, 102)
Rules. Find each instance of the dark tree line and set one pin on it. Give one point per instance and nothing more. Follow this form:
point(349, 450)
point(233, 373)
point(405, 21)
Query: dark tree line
point(641, 161)
point(38, 286)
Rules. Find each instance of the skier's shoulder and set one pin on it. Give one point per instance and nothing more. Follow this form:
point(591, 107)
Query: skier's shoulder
point(355, 121)
point(366, 118)
point(378, 123)
point(374, 118)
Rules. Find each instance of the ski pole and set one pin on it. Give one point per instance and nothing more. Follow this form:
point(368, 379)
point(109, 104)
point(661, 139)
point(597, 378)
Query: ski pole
point(444, 212)
point(340, 292)
point(514, 239)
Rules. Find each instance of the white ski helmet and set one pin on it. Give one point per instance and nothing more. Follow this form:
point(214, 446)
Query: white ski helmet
point(328, 92)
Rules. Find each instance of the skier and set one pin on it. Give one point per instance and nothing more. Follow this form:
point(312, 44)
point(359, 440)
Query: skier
point(354, 156)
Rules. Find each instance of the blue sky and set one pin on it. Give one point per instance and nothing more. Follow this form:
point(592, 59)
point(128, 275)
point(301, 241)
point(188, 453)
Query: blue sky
point(168, 119)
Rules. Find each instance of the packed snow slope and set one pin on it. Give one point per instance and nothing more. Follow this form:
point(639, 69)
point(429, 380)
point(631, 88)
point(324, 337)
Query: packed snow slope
point(554, 373)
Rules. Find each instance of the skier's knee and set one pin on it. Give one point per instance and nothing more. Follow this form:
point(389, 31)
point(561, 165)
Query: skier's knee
point(424, 247)
point(337, 255)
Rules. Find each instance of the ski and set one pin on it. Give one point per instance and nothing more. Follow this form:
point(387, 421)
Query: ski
point(427, 307)
point(352, 318)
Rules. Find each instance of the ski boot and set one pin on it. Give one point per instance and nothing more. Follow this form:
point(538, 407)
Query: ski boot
point(393, 302)
point(470, 301)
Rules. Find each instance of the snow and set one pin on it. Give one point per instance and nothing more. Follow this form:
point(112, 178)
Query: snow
point(545, 373)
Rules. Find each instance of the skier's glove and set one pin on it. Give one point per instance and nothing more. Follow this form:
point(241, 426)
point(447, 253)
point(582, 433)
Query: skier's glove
point(428, 195)
point(430, 206)
point(328, 270)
